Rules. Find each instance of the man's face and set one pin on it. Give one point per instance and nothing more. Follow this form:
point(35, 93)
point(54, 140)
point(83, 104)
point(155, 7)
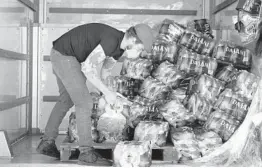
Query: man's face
point(133, 49)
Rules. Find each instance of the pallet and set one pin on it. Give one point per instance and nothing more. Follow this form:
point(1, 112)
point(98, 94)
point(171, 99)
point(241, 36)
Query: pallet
point(70, 151)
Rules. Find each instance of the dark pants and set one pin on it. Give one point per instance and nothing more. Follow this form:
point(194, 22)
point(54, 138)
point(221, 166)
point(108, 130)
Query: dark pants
point(73, 91)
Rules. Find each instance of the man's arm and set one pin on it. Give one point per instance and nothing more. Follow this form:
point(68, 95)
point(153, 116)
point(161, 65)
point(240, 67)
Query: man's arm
point(107, 67)
point(89, 67)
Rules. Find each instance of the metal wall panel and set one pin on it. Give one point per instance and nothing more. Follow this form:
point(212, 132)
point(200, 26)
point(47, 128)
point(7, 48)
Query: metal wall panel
point(224, 23)
point(122, 19)
point(11, 70)
point(232, 34)
point(15, 12)
point(13, 79)
point(14, 122)
point(9, 75)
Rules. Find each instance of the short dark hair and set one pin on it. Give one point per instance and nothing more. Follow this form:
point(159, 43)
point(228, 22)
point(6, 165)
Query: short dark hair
point(131, 32)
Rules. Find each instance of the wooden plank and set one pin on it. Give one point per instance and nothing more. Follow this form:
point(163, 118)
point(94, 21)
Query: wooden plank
point(170, 154)
point(14, 103)
point(7, 97)
point(50, 98)
point(109, 145)
point(167, 153)
point(29, 4)
point(122, 11)
point(13, 55)
point(46, 58)
point(12, 10)
point(223, 5)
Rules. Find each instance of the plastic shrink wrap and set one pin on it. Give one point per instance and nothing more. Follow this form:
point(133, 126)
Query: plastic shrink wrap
point(222, 123)
point(203, 26)
point(164, 51)
point(195, 64)
point(171, 31)
point(72, 135)
point(232, 53)
point(207, 86)
point(141, 109)
point(154, 131)
point(153, 89)
point(168, 74)
point(112, 124)
point(176, 114)
point(227, 73)
point(208, 141)
point(185, 143)
point(133, 154)
point(137, 68)
point(245, 84)
point(233, 103)
point(199, 106)
point(126, 86)
point(179, 93)
point(244, 147)
point(97, 111)
point(198, 42)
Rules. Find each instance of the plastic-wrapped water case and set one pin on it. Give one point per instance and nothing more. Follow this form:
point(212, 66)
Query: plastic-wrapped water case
point(133, 154)
point(154, 131)
point(195, 64)
point(168, 74)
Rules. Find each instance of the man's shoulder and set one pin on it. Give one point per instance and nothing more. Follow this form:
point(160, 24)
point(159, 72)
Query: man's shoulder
point(98, 25)
point(103, 27)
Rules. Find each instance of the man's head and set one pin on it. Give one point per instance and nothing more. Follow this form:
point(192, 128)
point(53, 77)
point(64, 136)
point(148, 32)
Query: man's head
point(249, 16)
point(137, 38)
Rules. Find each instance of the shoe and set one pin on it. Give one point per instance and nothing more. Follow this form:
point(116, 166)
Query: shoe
point(48, 147)
point(88, 156)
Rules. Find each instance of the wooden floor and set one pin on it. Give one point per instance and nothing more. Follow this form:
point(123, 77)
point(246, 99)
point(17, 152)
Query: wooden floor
point(25, 155)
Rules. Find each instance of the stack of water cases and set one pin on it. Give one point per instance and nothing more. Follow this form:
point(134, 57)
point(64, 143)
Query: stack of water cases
point(190, 86)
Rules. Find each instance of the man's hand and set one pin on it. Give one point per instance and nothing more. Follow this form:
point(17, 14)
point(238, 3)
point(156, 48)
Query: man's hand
point(111, 97)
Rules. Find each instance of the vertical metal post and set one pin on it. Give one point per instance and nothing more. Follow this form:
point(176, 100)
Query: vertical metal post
point(36, 13)
point(29, 74)
point(212, 17)
point(220, 31)
point(24, 76)
point(44, 11)
point(35, 74)
point(203, 8)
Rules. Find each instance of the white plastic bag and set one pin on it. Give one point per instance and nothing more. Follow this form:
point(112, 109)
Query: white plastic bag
point(112, 124)
point(133, 154)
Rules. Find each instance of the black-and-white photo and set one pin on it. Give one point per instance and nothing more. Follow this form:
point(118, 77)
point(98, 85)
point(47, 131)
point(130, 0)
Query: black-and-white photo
point(141, 83)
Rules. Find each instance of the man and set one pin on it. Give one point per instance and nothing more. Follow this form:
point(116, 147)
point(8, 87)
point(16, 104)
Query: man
point(67, 54)
point(249, 27)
